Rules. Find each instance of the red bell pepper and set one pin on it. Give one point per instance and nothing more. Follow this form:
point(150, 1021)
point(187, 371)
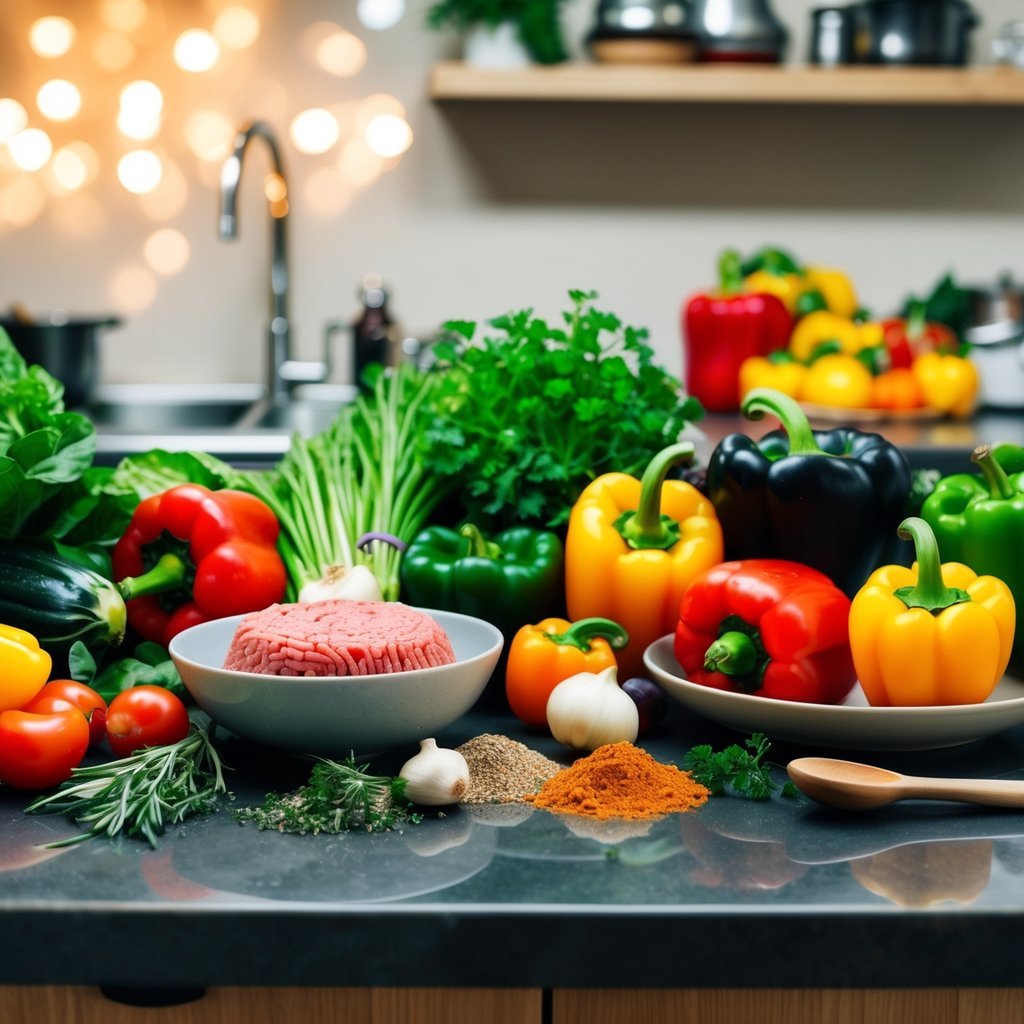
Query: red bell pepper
point(724, 327)
point(769, 627)
point(191, 554)
point(907, 337)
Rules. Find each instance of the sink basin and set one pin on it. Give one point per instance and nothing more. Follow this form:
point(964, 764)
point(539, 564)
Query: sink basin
point(235, 422)
point(152, 409)
point(310, 409)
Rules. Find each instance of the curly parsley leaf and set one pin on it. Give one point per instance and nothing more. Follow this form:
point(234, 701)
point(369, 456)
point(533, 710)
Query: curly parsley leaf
point(528, 414)
point(736, 769)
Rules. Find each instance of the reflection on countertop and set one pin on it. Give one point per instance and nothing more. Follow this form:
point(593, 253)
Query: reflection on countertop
point(460, 880)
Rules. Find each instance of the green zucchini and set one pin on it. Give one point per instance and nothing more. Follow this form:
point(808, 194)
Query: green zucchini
point(59, 601)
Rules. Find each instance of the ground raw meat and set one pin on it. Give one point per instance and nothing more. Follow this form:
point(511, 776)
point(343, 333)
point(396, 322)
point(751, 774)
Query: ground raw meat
point(337, 638)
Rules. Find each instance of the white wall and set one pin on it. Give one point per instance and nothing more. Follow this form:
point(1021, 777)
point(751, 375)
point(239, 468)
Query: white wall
point(499, 206)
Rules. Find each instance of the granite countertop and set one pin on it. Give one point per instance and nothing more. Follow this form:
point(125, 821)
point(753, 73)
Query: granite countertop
point(738, 893)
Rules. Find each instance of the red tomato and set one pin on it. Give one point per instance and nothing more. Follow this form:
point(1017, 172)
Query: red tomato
point(38, 751)
point(65, 694)
point(145, 716)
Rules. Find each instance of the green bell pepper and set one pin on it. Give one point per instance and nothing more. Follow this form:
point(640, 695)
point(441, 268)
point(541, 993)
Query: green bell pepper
point(979, 520)
point(512, 579)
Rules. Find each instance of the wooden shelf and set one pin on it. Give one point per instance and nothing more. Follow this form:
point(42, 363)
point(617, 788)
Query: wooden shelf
point(581, 82)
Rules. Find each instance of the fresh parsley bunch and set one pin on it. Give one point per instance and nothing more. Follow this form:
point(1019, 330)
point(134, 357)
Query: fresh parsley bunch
point(737, 769)
point(529, 415)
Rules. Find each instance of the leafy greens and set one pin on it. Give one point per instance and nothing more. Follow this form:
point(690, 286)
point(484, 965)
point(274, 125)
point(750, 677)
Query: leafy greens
point(526, 418)
point(43, 450)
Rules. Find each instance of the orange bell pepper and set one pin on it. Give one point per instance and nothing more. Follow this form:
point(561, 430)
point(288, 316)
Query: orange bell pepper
point(896, 389)
point(542, 655)
point(632, 548)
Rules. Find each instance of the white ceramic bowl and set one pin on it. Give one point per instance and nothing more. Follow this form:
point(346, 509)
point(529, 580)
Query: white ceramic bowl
point(330, 715)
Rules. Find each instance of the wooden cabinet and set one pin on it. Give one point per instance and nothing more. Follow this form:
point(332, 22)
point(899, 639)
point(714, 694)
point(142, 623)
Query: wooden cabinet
point(788, 1006)
point(85, 1005)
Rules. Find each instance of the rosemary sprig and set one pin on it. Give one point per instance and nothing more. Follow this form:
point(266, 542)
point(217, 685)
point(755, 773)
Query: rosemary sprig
point(139, 795)
point(340, 796)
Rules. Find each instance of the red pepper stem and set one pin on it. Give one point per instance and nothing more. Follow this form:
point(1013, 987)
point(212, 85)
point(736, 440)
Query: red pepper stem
point(730, 273)
point(916, 320)
point(995, 476)
point(647, 527)
point(479, 547)
point(168, 573)
point(929, 593)
point(787, 411)
point(733, 653)
point(581, 632)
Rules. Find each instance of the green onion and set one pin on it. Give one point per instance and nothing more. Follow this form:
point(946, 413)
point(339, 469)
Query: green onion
point(362, 475)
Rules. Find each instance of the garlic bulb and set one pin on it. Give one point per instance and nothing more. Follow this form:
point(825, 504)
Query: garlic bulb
point(590, 709)
point(436, 776)
point(344, 582)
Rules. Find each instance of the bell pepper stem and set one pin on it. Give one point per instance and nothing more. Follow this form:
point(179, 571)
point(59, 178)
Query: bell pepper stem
point(995, 476)
point(916, 320)
point(647, 527)
point(479, 547)
point(730, 272)
point(168, 573)
point(581, 632)
point(929, 593)
point(733, 653)
point(787, 411)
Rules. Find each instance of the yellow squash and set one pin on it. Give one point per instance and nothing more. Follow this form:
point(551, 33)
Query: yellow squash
point(24, 667)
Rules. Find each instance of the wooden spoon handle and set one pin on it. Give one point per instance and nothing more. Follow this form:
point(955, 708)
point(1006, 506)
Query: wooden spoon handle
point(992, 792)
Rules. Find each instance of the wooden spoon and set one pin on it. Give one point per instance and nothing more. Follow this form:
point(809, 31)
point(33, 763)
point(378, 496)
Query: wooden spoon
point(861, 787)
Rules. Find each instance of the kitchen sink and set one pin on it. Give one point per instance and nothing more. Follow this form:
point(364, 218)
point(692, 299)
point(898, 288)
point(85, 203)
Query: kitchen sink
point(149, 408)
point(310, 409)
point(236, 422)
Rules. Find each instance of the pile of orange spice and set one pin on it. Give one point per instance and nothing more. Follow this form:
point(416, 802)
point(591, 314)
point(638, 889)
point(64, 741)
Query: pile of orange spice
point(619, 780)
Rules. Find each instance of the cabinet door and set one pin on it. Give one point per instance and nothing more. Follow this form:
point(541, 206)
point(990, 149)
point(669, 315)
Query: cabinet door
point(84, 1005)
point(788, 1006)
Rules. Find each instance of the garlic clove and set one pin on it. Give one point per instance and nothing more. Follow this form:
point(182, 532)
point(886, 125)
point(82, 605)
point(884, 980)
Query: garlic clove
point(343, 582)
point(590, 709)
point(436, 776)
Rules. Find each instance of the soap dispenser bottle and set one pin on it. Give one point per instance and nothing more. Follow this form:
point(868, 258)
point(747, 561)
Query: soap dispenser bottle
point(373, 331)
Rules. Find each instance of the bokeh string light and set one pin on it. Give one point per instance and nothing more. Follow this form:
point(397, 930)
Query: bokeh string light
point(136, 95)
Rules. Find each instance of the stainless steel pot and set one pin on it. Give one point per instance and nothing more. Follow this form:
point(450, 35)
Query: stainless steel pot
point(69, 350)
point(739, 31)
point(914, 32)
point(995, 330)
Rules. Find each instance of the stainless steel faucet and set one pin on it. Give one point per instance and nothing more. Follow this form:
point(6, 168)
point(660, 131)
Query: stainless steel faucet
point(282, 370)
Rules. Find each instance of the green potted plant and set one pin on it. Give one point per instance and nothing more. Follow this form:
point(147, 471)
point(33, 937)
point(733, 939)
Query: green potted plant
point(488, 27)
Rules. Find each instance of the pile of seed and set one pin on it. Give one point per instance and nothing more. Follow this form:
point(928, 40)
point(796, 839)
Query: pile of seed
point(502, 770)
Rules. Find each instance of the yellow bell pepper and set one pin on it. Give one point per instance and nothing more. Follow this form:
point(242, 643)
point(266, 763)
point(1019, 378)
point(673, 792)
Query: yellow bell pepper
point(823, 326)
point(24, 667)
point(835, 288)
point(785, 375)
point(839, 380)
point(931, 634)
point(632, 548)
point(786, 287)
point(948, 382)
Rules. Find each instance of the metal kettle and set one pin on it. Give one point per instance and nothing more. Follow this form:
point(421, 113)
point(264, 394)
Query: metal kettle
point(738, 30)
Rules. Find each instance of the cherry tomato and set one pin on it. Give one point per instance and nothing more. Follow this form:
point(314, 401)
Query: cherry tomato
point(145, 716)
point(38, 751)
point(65, 694)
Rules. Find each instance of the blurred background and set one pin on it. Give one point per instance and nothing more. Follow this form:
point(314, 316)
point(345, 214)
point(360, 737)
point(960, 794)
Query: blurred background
point(109, 189)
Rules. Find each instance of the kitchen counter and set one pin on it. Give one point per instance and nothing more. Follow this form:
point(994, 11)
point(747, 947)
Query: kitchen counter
point(941, 443)
point(737, 894)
